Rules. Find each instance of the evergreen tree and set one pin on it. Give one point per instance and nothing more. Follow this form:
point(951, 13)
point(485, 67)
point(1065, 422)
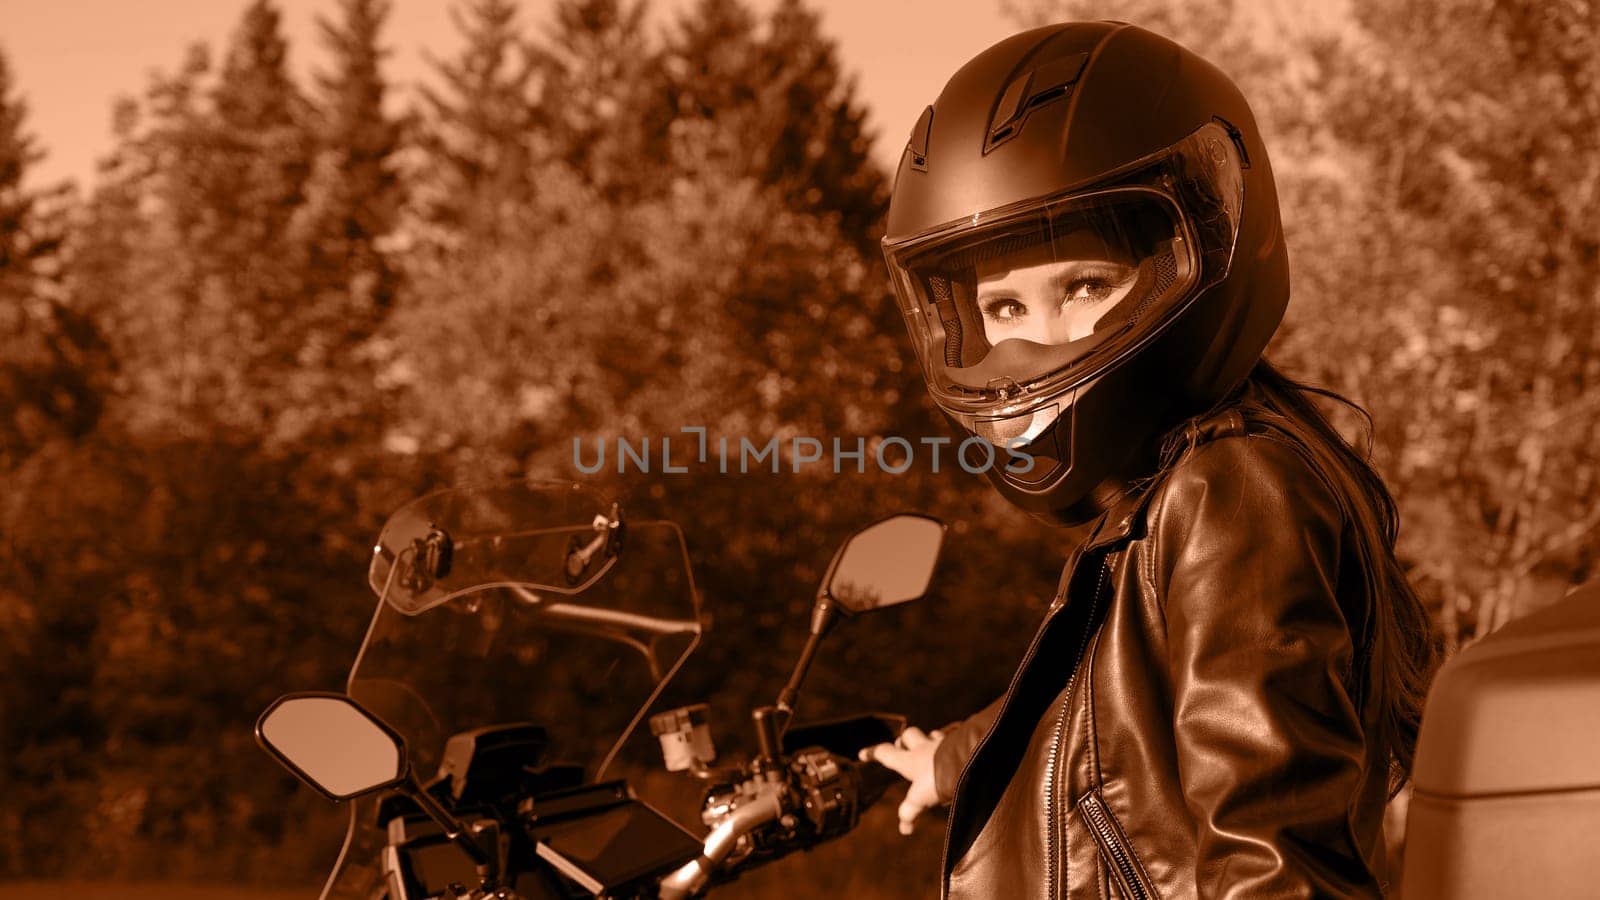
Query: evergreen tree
point(822, 149)
point(262, 145)
point(711, 58)
point(49, 352)
point(22, 249)
point(54, 370)
point(355, 194)
point(599, 103)
point(769, 101)
point(258, 149)
point(478, 129)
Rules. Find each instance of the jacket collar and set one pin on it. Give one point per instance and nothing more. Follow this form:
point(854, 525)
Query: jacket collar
point(1125, 517)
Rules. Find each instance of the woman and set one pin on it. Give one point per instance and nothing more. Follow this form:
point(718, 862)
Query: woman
point(1085, 241)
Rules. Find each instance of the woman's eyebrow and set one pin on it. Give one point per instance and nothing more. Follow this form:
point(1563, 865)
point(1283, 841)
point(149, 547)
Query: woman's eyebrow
point(1067, 274)
point(1073, 270)
point(986, 291)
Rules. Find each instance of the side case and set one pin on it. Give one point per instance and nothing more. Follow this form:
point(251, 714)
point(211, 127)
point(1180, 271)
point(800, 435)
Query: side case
point(1506, 797)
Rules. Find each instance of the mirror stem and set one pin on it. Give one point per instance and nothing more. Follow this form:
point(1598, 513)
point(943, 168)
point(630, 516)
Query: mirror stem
point(791, 690)
point(823, 615)
point(454, 829)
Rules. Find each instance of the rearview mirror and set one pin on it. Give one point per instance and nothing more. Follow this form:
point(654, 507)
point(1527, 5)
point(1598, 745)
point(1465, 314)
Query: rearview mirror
point(889, 562)
point(333, 744)
point(886, 563)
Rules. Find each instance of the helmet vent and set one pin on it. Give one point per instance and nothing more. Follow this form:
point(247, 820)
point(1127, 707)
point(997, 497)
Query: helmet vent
point(917, 144)
point(1028, 92)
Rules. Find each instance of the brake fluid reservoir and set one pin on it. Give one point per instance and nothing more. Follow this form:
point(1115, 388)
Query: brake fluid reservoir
point(685, 735)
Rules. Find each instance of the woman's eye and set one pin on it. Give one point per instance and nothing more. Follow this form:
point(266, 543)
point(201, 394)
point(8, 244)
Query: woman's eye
point(1089, 290)
point(1005, 310)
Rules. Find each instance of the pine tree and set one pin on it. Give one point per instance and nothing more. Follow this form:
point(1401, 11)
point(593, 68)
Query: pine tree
point(822, 150)
point(770, 102)
point(257, 168)
point(52, 386)
point(48, 351)
point(356, 193)
point(600, 104)
point(713, 59)
point(478, 129)
point(264, 146)
point(28, 242)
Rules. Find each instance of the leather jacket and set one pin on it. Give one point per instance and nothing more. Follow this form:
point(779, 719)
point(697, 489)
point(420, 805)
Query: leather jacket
point(1189, 720)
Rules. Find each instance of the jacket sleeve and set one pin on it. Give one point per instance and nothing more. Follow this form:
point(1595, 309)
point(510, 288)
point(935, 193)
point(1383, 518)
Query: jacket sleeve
point(1271, 749)
point(960, 740)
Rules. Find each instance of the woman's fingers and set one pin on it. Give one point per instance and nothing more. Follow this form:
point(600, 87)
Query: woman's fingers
point(891, 757)
point(896, 754)
point(911, 738)
point(911, 757)
point(909, 809)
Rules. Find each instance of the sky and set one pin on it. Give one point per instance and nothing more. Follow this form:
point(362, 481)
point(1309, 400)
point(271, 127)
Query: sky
point(72, 58)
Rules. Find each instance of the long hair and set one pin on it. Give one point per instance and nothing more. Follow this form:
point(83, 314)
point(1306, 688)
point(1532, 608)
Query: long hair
point(1401, 652)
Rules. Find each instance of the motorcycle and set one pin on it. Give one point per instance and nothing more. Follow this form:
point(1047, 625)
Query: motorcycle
point(522, 634)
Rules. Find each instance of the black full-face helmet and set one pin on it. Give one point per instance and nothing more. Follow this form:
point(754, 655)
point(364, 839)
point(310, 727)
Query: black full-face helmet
point(1084, 240)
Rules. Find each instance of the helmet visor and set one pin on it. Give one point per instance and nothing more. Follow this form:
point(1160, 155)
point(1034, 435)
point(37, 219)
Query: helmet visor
point(1000, 308)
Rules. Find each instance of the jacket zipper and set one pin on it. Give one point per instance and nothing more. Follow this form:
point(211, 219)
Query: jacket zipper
point(1111, 842)
point(1051, 825)
point(1027, 662)
point(1050, 789)
point(944, 855)
point(961, 779)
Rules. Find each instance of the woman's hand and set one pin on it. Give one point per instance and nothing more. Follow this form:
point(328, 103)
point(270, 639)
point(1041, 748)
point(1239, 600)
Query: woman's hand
point(911, 755)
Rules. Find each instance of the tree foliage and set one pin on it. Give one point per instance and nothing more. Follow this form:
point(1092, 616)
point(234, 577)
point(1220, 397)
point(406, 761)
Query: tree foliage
point(49, 362)
point(282, 309)
point(1437, 165)
point(356, 182)
point(477, 127)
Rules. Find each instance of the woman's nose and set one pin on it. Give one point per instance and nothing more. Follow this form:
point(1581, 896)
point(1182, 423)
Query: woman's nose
point(1056, 327)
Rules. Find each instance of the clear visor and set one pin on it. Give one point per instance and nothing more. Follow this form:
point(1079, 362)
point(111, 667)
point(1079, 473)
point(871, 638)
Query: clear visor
point(1005, 306)
point(1007, 309)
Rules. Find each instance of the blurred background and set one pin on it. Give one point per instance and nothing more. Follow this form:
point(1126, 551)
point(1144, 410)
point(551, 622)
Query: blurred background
point(330, 257)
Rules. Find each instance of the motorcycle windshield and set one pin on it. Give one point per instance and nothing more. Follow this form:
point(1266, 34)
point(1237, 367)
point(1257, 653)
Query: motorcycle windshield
point(513, 603)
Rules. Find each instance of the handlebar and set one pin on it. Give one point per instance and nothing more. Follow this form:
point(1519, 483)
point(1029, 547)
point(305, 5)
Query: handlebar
point(808, 790)
point(694, 875)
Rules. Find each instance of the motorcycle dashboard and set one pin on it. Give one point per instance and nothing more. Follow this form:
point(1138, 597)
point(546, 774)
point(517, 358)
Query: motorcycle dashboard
point(607, 850)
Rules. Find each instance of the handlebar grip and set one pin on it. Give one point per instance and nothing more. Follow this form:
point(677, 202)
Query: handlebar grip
point(693, 876)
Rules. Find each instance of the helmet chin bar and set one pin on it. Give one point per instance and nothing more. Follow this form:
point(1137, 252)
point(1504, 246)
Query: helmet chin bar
point(1018, 430)
point(1079, 473)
